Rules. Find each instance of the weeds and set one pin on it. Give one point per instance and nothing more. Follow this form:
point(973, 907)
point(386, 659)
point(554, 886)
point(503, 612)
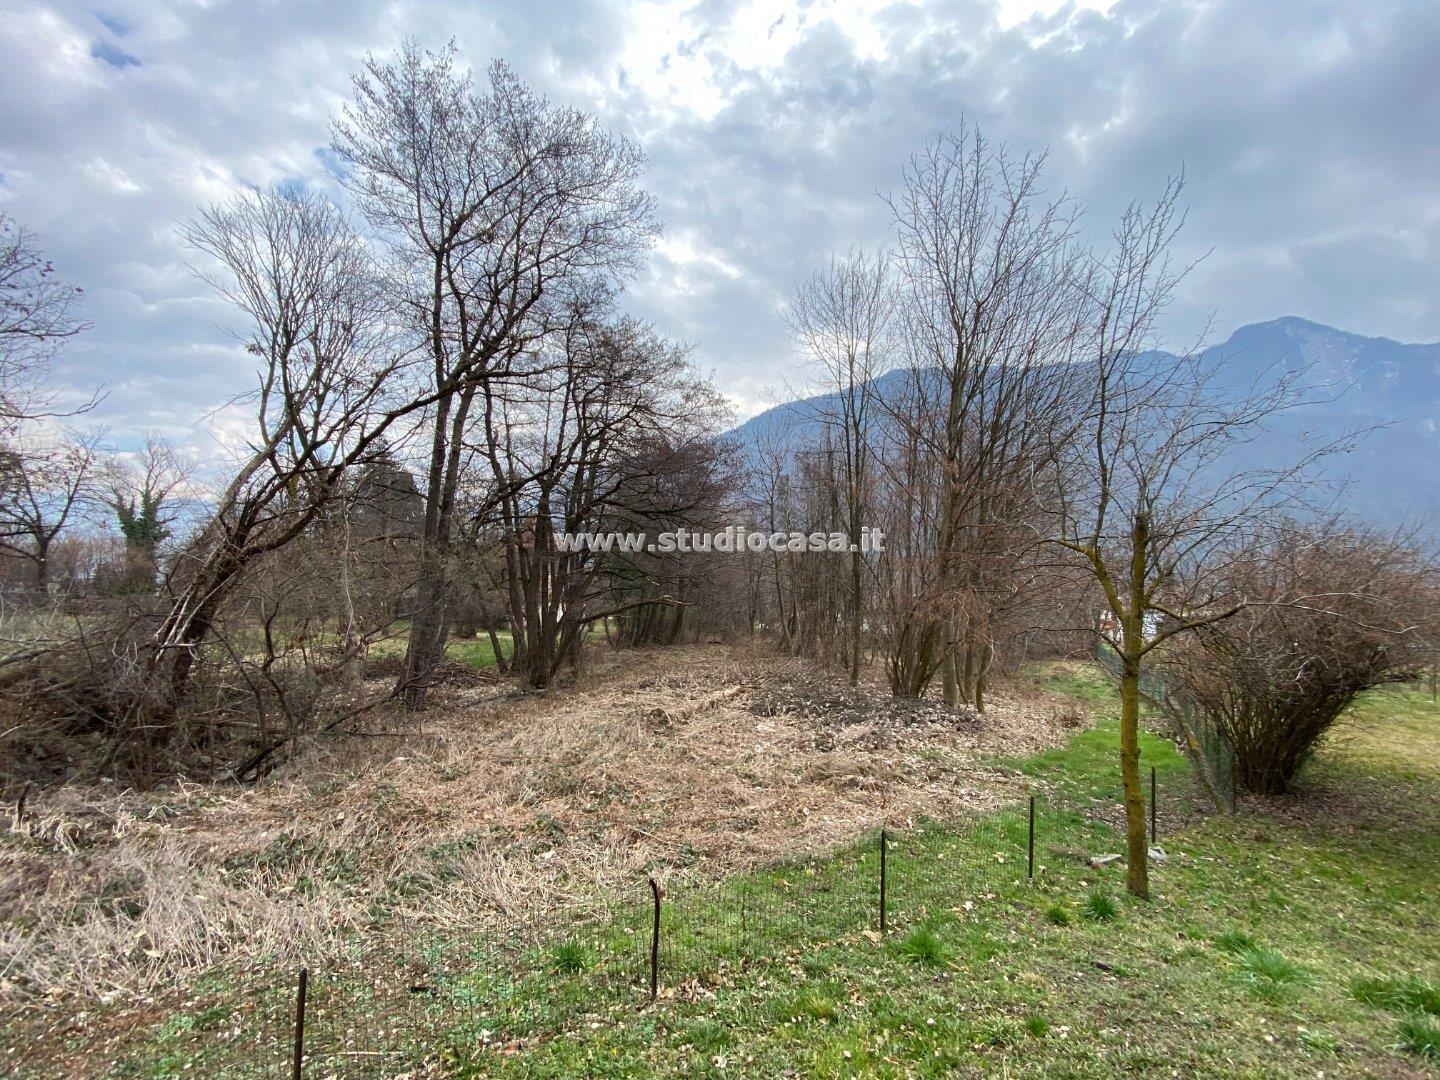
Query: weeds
point(1410, 994)
point(1269, 973)
point(1100, 906)
point(923, 947)
point(570, 957)
point(1236, 941)
point(1420, 1035)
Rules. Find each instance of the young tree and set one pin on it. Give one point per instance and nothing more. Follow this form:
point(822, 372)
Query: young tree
point(1147, 497)
point(841, 320)
point(503, 214)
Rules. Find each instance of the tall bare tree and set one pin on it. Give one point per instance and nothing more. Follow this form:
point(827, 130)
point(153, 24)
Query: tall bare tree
point(841, 320)
point(993, 300)
point(308, 289)
point(38, 314)
point(503, 212)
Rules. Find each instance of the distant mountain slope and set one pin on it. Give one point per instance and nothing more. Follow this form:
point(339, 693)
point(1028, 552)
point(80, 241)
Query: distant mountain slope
point(1392, 476)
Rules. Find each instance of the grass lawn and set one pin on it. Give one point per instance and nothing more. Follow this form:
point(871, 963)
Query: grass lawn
point(1296, 939)
point(476, 651)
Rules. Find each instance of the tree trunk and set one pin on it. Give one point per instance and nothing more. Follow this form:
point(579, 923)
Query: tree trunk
point(427, 637)
point(500, 665)
point(1137, 869)
point(855, 612)
point(42, 566)
point(982, 676)
point(951, 673)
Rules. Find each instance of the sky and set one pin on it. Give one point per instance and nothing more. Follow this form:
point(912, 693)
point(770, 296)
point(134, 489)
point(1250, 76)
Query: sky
point(1309, 133)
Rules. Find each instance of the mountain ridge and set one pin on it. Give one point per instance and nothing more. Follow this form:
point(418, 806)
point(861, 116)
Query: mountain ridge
point(1391, 477)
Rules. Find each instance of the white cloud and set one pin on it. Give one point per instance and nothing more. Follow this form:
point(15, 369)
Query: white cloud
point(1307, 132)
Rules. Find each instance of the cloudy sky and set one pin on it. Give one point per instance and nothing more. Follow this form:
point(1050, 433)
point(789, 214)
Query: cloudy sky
point(1310, 133)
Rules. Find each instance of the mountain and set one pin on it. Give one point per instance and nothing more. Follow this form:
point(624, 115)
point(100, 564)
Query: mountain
point(1392, 476)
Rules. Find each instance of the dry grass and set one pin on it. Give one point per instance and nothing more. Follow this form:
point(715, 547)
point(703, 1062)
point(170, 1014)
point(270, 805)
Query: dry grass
point(687, 760)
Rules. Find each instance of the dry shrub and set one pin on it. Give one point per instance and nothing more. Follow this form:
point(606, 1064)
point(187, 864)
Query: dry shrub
point(1335, 610)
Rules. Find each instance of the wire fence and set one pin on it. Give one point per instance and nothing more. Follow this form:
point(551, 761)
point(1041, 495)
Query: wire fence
point(449, 1005)
point(1209, 750)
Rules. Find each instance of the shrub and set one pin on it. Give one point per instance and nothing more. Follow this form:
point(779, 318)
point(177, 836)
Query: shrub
point(1334, 610)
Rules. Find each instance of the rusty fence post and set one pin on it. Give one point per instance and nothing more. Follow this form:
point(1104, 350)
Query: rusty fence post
point(655, 942)
point(300, 1023)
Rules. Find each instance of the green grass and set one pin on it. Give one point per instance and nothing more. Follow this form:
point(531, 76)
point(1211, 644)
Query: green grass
point(1420, 1035)
point(1407, 994)
point(477, 652)
point(1100, 906)
point(1269, 973)
point(783, 971)
point(570, 956)
point(1236, 941)
point(924, 947)
point(1058, 915)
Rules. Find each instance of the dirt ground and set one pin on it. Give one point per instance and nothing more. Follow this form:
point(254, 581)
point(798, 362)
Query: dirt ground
point(499, 806)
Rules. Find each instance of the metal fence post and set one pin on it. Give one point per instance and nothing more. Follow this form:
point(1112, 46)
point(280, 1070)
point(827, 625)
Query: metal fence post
point(1154, 834)
point(655, 942)
point(300, 1023)
point(884, 843)
point(1030, 844)
point(744, 921)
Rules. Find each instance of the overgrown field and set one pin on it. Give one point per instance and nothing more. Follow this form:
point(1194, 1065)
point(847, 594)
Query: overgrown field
point(1296, 939)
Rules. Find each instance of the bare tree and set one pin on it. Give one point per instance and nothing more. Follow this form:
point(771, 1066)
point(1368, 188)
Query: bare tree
point(841, 320)
point(52, 483)
point(306, 283)
point(619, 439)
point(992, 302)
point(503, 213)
point(37, 316)
point(1149, 498)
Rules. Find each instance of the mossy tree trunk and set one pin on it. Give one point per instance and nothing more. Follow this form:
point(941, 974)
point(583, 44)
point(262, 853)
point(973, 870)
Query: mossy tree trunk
point(1137, 851)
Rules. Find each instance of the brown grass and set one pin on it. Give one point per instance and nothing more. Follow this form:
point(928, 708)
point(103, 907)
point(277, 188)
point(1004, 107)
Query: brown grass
point(686, 760)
